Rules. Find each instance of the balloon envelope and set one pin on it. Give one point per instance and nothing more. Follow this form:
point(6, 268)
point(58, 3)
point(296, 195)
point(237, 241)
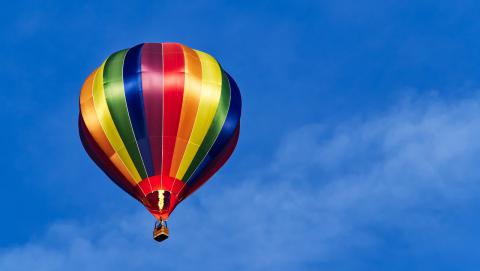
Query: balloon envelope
point(159, 119)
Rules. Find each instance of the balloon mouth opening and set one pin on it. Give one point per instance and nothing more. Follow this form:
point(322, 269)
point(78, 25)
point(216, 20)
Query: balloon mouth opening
point(160, 231)
point(160, 203)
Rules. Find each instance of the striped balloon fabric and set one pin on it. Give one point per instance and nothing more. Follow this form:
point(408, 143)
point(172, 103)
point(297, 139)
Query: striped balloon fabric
point(159, 119)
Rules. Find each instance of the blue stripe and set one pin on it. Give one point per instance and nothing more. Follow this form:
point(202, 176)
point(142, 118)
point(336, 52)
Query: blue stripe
point(132, 80)
point(228, 130)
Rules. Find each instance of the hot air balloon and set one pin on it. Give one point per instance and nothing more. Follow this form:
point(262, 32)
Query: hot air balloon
point(159, 119)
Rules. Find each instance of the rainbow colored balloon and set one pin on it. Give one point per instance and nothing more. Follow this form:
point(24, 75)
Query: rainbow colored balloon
point(159, 119)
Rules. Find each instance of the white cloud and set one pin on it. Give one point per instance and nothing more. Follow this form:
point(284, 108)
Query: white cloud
point(323, 198)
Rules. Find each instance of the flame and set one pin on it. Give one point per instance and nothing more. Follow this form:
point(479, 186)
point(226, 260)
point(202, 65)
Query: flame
point(161, 199)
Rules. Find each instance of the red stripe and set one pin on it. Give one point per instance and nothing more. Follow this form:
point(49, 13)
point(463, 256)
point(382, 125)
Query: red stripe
point(174, 78)
point(152, 86)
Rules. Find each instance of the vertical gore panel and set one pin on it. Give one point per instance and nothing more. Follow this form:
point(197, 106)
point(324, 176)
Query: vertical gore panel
point(191, 99)
point(132, 80)
point(115, 95)
point(152, 84)
point(174, 78)
point(90, 117)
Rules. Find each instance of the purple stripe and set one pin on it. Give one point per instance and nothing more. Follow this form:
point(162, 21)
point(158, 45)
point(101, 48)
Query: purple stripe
point(152, 84)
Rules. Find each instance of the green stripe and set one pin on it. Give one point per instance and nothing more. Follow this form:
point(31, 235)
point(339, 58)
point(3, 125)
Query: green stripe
point(214, 128)
point(115, 95)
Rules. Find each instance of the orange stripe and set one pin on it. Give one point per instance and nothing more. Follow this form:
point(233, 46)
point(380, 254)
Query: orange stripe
point(191, 99)
point(93, 125)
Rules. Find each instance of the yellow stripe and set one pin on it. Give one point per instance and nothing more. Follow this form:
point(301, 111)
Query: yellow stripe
point(108, 126)
point(209, 100)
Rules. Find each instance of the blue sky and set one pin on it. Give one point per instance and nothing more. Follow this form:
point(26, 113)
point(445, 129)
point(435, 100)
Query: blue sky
point(359, 145)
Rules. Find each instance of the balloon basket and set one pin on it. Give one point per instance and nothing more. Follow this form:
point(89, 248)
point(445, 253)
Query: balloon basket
point(160, 232)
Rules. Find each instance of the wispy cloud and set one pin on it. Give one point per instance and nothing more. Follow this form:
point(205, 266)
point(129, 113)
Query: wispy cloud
point(316, 203)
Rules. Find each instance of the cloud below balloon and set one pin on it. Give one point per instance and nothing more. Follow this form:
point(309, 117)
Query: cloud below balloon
point(331, 196)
